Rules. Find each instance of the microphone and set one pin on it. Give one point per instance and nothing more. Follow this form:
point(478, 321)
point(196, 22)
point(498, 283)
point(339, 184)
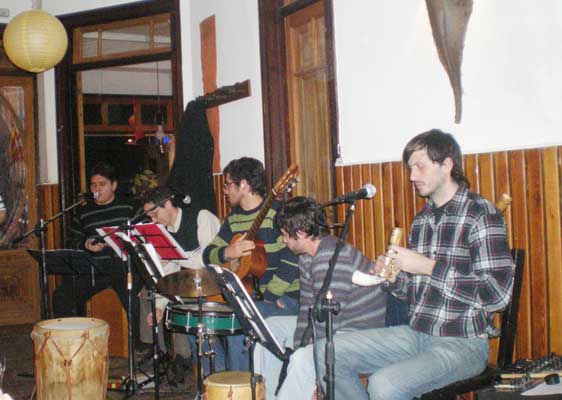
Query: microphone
point(88, 195)
point(366, 192)
point(184, 198)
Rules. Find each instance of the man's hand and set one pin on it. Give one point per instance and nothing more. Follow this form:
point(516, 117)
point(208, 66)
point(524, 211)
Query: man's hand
point(408, 260)
point(240, 248)
point(95, 247)
point(159, 315)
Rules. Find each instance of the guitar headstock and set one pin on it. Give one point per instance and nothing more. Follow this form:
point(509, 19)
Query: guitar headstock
point(288, 181)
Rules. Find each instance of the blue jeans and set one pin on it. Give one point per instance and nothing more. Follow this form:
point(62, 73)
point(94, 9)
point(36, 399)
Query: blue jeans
point(269, 366)
point(404, 363)
point(219, 354)
point(238, 356)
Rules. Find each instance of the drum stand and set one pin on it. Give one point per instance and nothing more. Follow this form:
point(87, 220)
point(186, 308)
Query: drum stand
point(201, 336)
point(130, 382)
point(252, 339)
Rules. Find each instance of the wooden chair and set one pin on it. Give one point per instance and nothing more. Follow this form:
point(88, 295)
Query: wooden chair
point(506, 344)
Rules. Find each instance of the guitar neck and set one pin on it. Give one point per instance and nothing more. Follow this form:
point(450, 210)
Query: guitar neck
point(251, 234)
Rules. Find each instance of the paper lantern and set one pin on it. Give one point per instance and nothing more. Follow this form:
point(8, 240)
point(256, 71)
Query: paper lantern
point(35, 41)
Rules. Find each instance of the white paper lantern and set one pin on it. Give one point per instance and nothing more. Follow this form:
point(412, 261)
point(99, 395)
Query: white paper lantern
point(35, 41)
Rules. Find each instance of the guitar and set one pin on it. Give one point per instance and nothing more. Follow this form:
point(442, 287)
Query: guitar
point(255, 264)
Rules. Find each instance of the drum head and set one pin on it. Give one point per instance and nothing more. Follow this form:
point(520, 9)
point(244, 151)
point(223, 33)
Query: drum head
point(71, 323)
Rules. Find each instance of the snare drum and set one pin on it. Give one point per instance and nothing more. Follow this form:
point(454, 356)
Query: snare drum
point(232, 385)
point(217, 319)
point(71, 358)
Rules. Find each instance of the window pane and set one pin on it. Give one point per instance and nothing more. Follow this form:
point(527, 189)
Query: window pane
point(92, 114)
point(162, 34)
point(90, 44)
point(118, 114)
point(123, 40)
point(153, 114)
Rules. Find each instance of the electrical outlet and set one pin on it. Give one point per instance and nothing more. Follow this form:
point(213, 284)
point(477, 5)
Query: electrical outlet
point(4, 12)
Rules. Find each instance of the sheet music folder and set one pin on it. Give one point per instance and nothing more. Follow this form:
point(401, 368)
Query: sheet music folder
point(246, 311)
point(66, 261)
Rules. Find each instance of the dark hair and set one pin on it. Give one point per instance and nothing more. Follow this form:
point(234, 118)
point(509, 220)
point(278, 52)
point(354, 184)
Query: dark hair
point(158, 195)
point(249, 169)
point(104, 169)
point(302, 214)
point(439, 145)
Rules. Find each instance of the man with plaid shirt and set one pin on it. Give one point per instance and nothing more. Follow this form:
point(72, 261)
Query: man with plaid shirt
point(456, 272)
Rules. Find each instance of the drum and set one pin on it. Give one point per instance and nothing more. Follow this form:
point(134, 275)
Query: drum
point(232, 385)
point(217, 318)
point(71, 358)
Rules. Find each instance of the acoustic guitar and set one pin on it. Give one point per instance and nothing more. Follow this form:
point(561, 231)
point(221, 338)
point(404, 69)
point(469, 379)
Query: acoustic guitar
point(255, 264)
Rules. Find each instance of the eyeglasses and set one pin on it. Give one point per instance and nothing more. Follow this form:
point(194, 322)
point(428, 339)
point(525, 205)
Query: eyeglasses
point(227, 185)
point(152, 213)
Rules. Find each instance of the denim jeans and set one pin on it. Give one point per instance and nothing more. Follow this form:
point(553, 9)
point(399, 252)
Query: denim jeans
point(266, 363)
point(238, 356)
point(404, 363)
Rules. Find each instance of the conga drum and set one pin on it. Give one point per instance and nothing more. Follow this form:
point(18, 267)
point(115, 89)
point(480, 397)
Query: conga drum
point(71, 360)
point(232, 385)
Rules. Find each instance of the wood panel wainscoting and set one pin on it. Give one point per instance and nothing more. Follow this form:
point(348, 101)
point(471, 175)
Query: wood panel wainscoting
point(533, 178)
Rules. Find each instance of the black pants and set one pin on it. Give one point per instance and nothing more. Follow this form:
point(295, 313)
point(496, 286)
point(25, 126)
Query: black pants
point(69, 299)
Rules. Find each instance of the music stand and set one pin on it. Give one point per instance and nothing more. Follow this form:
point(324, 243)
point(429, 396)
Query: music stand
point(248, 315)
point(67, 262)
point(146, 264)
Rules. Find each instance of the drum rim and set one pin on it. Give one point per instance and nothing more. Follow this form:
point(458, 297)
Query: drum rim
point(195, 307)
point(96, 325)
point(244, 374)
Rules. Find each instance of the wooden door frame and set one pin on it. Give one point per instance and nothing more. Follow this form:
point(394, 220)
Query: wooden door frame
point(67, 126)
point(272, 15)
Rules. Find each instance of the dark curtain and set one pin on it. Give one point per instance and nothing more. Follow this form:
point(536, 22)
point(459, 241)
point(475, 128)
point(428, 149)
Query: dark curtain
point(192, 171)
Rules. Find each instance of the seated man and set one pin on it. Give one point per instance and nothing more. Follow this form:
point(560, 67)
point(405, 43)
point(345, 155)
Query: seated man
point(302, 223)
point(106, 209)
point(245, 190)
point(456, 272)
point(193, 230)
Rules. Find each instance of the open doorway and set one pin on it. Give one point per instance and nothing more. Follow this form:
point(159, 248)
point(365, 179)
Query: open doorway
point(126, 113)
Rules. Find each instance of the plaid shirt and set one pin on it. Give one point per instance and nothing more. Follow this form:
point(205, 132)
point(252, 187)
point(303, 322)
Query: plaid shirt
point(473, 273)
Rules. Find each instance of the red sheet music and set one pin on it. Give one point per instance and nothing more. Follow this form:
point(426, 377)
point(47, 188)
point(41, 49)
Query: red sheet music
point(163, 242)
point(156, 234)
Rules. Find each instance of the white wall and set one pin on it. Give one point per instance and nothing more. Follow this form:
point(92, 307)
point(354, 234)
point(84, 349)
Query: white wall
point(15, 7)
point(392, 86)
point(241, 122)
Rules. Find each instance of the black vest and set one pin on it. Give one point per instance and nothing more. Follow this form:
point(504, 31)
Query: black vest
point(186, 236)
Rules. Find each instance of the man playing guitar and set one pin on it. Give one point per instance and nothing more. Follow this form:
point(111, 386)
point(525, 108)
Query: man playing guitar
point(279, 283)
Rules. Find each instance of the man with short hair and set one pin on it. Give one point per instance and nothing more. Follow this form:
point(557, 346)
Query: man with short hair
point(245, 190)
point(193, 230)
point(105, 210)
point(302, 223)
point(456, 272)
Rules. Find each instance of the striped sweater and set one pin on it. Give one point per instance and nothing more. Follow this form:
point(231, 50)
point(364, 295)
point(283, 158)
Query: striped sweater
point(92, 216)
point(362, 307)
point(282, 274)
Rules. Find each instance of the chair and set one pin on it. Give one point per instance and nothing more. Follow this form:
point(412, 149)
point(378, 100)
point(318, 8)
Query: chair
point(507, 341)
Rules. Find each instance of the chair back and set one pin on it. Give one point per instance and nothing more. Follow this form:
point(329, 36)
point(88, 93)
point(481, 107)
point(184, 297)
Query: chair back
point(511, 313)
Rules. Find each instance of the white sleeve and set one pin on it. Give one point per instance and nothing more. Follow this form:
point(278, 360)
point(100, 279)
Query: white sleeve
point(208, 226)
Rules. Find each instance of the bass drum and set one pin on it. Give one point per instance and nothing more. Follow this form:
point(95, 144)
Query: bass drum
point(71, 360)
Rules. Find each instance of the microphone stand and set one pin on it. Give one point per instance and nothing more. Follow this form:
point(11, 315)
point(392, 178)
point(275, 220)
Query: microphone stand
point(39, 230)
point(325, 307)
